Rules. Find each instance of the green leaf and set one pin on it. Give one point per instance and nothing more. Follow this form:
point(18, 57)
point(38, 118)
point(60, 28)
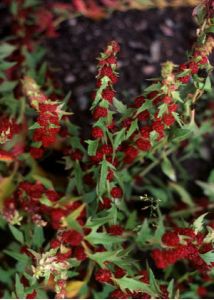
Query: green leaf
point(78, 177)
point(208, 188)
point(153, 282)
point(38, 237)
point(180, 134)
point(170, 289)
point(119, 138)
point(198, 224)
point(184, 195)
point(162, 109)
point(34, 126)
point(7, 86)
point(45, 181)
point(18, 235)
point(20, 292)
point(168, 169)
point(101, 238)
point(4, 65)
point(207, 85)
point(210, 29)
point(17, 256)
point(6, 50)
point(103, 177)
point(117, 257)
point(132, 129)
point(208, 257)
point(153, 87)
point(144, 234)
point(71, 219)
point(92, 147)
point(121, 108)
point(145, 106)
point(133, 284)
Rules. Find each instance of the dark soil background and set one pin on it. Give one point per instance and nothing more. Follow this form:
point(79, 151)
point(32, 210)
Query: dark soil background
point(147, 38)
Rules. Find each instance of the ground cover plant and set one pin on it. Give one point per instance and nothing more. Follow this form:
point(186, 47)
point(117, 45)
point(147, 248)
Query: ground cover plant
point(118, 214)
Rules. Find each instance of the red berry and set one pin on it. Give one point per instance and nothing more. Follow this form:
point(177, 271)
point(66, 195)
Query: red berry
point(115, 230)
point(168, 119)
point(55, 244)
point(203, 60)
point(97, 133)
point(108, 94)
point(170, 239)
point(184, 79)
point(72, 237)
point(143, 116)
point(158, 126)
point(31, 295)
point(116, 192)
point(118, 294)
point(167, 99)
point(106, 149)
point(76, 154)
point(36, 152)
point(119, 272)
point(100, 112)
point(145, 131)
point(138, 102)
point(143, 144)
point(103, 275)
point(172, 107)
point(202, 291)
point(79, 253)
point(105, 203)
point(193, 67)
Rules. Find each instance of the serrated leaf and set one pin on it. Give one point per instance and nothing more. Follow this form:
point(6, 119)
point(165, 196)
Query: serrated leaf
point(101, 238)
point(4, 65)
point(168, 169)
point(18, 235)
point(170, 289)
point(162, 109)
point(144, 234)
point(38, 237)
point(7, 86)
point(121, 108)
point(208, 188)
point(180, 134)
point(45, 181)
point(71, 219)
point(119, 138)
point(208, 257)
point(6, 50)
point(78, 177)
point(92, 147)
point(198, 224)
point(207, 85)
point(103, 177)
point(134, 285)
point(132, 129)
point(184, 195)
point(20, 292)
point(17, 256)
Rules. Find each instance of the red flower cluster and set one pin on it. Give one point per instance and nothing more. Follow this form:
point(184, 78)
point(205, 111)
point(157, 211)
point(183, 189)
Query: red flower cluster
point(184, 244)
point(8, 128)
point(48, 121)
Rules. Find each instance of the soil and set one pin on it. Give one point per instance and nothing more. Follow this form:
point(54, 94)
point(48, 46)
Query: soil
point(147, 38)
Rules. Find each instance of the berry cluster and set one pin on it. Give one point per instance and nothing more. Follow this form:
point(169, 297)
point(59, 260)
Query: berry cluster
point(183, 243)
point(48, 122)
point(8, 128)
